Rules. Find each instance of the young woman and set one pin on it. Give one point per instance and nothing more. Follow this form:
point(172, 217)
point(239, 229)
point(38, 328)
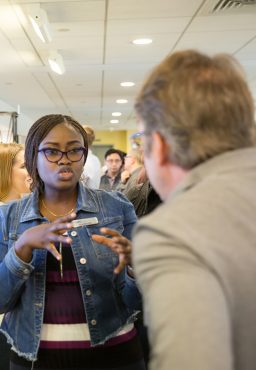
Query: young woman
point(14, 180)
point(65, 307)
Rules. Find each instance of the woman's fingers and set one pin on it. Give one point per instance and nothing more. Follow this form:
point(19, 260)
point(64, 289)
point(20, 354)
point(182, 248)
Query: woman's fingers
point(60, 227)
point(65, 219)
point(53, 250)
point(102, 240)
point(120, 267)
point(110, 232)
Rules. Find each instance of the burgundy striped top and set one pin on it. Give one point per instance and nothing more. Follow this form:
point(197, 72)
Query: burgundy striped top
point(65, 341)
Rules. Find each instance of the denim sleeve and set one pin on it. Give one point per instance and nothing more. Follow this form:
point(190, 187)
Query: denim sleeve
point(130, 292)
point(13, 271)
point(128, 213)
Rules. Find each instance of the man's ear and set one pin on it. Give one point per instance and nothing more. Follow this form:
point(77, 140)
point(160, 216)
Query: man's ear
point(160, 148)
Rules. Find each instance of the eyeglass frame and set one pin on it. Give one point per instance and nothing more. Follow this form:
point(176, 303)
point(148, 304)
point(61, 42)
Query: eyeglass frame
point(85, 150)
point(113, 160)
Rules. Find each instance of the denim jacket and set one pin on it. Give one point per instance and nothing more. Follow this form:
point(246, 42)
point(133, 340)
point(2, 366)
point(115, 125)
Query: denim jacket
point(115, 298)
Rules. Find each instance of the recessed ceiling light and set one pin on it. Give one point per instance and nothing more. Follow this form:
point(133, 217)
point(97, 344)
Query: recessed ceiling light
point(127, 84)
point(63, 29)
point(142, 41)
point(116, 114)
point(114, 121)
point(121, 101)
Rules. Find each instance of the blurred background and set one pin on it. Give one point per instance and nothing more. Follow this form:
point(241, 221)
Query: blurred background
point(88, 58)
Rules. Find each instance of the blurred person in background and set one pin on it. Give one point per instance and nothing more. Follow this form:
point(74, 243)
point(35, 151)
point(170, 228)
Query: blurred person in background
point(92, 168)
point(114, 161)
point(132, 165)
point(14, 183)
point(14, 180)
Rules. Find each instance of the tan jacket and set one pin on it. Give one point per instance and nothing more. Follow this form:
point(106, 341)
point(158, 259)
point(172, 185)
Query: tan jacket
point(195, 261)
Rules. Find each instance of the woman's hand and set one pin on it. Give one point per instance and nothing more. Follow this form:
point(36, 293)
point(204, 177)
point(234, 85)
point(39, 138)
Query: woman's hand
point(43, 237)
point(118, 243)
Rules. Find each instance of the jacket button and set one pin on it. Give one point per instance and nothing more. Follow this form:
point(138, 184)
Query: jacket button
point(39, 305)
point(93, 322)
point(88, 292)
point(73, 233)
point(83, 261)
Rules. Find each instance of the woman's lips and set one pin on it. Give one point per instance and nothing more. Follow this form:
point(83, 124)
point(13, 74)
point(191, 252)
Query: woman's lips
point(65, 174)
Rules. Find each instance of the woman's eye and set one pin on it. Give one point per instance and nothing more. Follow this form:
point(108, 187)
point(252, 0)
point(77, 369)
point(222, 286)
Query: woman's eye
point(75, 150)
point(51, 151)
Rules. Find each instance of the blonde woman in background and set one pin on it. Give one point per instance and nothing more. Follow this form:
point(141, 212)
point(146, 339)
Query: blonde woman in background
point(14, 179)
point(14, 182)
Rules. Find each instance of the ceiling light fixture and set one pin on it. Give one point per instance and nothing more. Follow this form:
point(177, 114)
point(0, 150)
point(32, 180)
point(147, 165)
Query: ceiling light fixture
point(121, 101)
point(40, 23)
point(127, 84)
point(142, 41)
point(116, 114)
point(114, 121)
point(56, 63)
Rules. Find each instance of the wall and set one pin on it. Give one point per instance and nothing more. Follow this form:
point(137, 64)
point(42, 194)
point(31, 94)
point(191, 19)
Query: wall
point(119, 139)
point(22, 121)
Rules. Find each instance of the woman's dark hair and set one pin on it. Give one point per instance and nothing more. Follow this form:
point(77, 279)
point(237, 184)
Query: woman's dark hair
point(38, 131)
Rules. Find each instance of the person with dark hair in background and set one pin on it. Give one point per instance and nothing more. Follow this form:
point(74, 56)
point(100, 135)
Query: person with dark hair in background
point(65, 304)
point(92, 168)
point(114, 160)
point(195, 256)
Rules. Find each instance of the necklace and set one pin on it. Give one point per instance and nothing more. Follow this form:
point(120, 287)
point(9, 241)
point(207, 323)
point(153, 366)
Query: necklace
point(54, 214)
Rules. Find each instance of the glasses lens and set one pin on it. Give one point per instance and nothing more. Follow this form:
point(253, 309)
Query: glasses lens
point(74, 155)
point(113, 161)
point(53, 155)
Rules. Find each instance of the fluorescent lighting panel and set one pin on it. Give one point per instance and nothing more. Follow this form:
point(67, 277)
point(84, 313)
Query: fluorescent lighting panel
point(40, 23)
point(56, 63)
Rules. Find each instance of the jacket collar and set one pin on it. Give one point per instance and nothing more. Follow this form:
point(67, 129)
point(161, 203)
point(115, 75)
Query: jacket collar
point(86, 201)
point(220, 164)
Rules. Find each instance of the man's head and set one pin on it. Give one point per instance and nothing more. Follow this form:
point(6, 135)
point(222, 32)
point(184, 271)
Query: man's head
point(191, 108)
point(133, 160)
point(114, 161)
point(200, 105)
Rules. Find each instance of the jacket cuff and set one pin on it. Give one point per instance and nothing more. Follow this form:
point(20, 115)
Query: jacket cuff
point(17, 266)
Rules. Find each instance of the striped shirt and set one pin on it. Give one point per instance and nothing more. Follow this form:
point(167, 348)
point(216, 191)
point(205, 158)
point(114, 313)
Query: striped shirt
point(65, 340)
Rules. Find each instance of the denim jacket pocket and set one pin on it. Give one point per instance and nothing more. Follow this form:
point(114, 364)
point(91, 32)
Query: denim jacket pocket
point(101, 250)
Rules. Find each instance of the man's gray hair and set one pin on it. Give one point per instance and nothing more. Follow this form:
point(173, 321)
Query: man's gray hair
point(200, 105)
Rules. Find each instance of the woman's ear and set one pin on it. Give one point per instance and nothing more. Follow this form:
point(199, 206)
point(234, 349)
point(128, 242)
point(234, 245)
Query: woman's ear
point(160, 148)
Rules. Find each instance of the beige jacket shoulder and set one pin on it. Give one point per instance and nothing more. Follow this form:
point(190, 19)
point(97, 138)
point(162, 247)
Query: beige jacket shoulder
point(195, 261)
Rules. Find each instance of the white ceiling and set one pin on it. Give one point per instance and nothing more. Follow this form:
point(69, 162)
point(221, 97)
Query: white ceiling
point(94, 38)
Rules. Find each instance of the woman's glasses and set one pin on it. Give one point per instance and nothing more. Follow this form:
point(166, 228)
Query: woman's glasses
point(55, 155)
